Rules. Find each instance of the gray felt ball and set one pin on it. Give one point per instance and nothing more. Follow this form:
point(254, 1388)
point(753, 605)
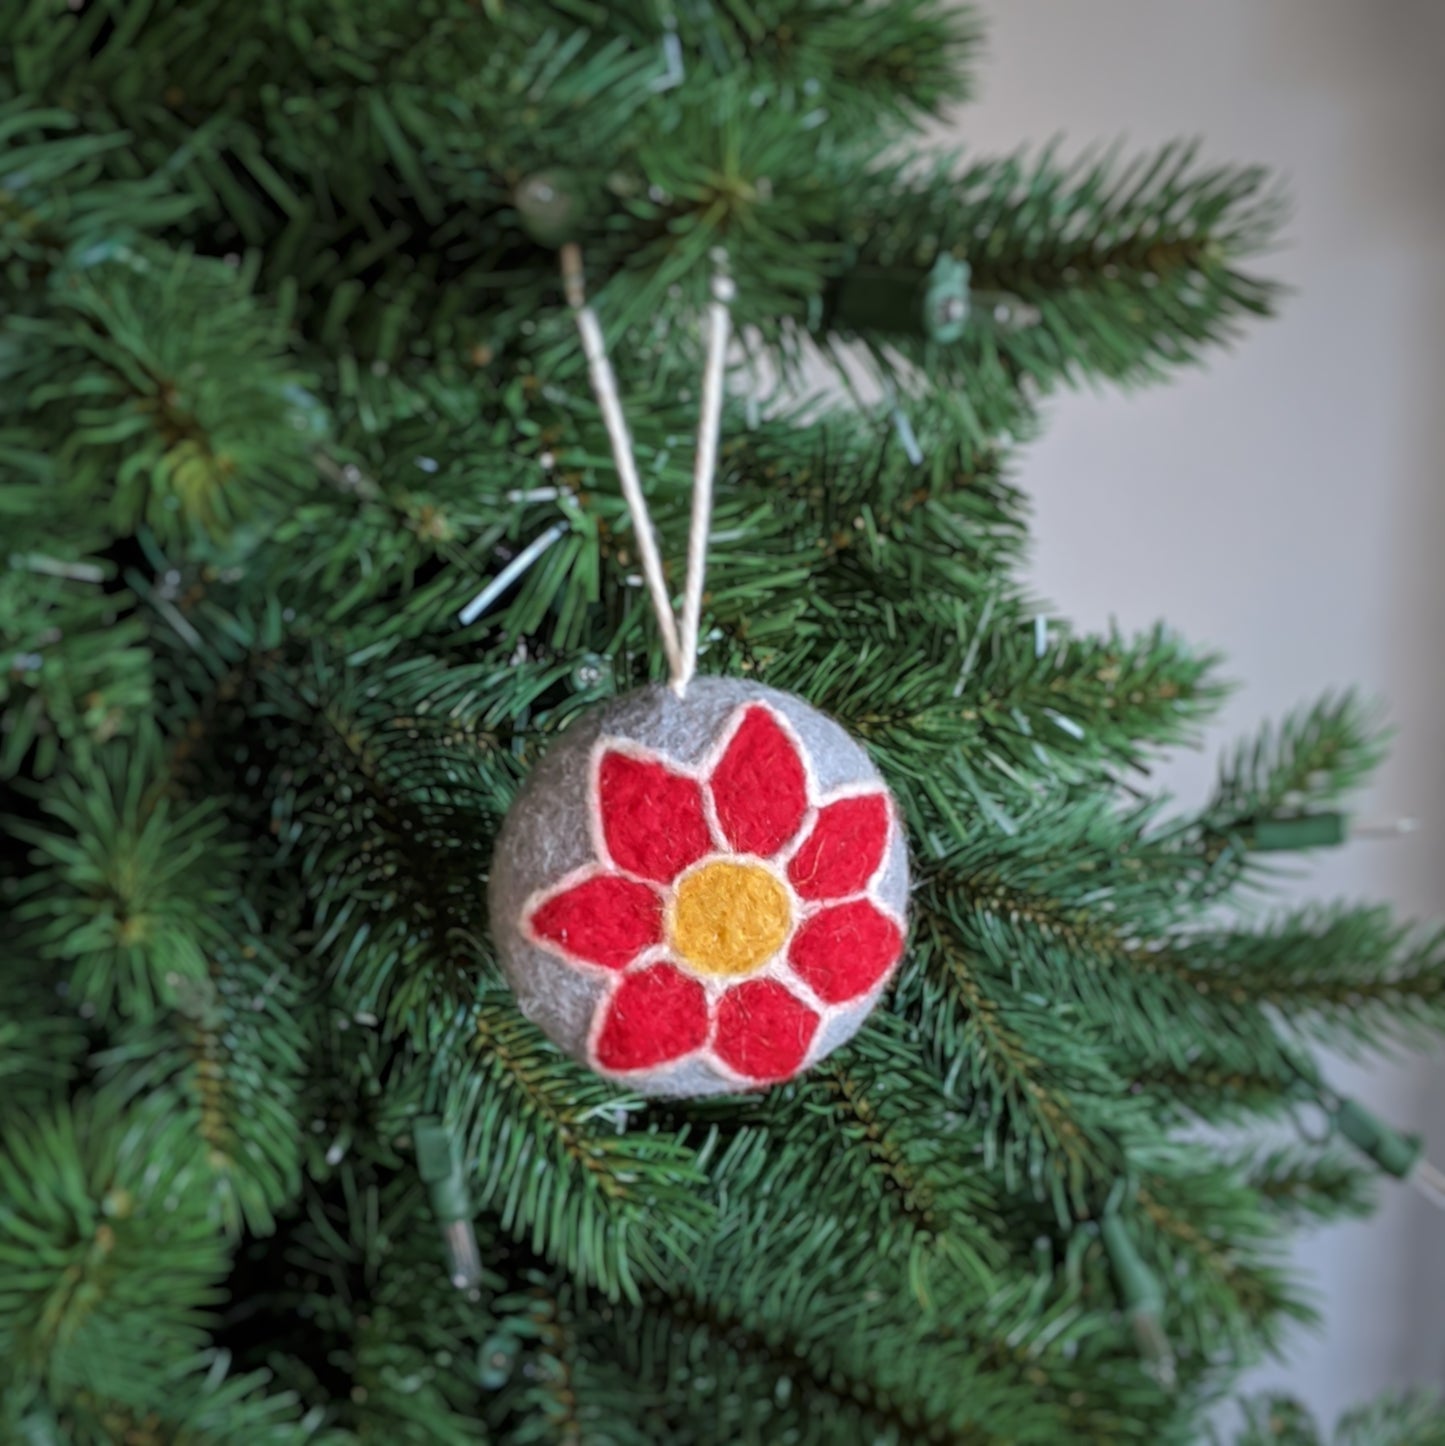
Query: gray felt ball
point(701, 895)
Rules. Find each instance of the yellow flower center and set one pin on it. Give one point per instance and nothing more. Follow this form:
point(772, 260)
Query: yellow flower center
point(729, 918)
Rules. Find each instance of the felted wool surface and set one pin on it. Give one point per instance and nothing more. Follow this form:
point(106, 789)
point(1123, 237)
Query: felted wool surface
point(700, 895)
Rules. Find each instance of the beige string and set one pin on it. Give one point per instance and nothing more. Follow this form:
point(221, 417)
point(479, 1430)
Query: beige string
point(680, 645)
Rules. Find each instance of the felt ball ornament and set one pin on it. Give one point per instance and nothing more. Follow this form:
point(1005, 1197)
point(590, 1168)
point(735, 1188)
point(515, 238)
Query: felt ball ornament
point(701, 894)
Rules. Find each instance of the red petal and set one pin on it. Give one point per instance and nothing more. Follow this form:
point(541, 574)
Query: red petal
point(759, 786)
point(652, 819)
point(844, 951)
point(763, 1031)
point(606, 920)
point(844, 849)
point(656, 1015)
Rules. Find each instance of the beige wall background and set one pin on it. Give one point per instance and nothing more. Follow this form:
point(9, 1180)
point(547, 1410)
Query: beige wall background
point(1285, 503)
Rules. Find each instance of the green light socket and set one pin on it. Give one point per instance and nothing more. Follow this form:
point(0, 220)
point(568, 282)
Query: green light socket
point(1137, 1283)
point(1395, 1153)
point(905, 301)
point(1308, 831)
point(437, 1164)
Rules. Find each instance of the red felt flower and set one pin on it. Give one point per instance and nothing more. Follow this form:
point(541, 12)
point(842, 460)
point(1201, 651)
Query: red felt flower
point(731, 907)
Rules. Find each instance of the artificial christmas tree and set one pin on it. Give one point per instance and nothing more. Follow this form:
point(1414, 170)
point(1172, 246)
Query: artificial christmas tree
point(317, 551)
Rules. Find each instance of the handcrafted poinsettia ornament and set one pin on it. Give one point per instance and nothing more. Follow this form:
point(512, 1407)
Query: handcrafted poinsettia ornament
point(702, 887)
point(701, 894)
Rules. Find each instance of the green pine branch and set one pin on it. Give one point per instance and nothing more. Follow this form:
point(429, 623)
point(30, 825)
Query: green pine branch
point(1312, 759)
point(41, 1042)
point(74, 668)
point(209, 1403)
point(1351, 975)
point(290, 380)
point(908, 1146)
point(58, 208)
point(129, 881)
point(176, 426)
point(229, 1061)
point(362, 1293)
point(1221, 1085)
point(1305, 1185)
point(1206, 1226)
point(1404, 1418)
point(1039, 1083)
point(662, 174)
point(102, 1226)
point(565, 1165)
point(1095, 268)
